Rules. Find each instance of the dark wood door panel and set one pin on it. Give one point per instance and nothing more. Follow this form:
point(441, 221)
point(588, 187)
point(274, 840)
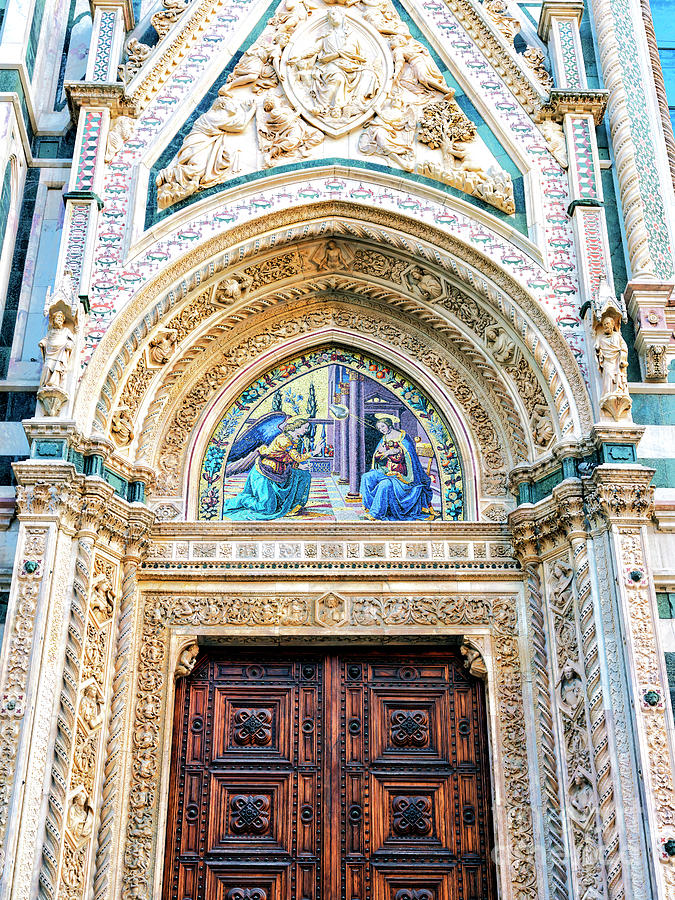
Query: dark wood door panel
point(336, 776)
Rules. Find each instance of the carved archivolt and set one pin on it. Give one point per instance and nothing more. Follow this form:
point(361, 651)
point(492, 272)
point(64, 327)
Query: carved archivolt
point(193, 392)
point(491, 621)
point(154, 305)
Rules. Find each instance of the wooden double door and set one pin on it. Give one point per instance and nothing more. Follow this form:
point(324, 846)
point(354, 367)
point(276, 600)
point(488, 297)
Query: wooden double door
point(340, 776)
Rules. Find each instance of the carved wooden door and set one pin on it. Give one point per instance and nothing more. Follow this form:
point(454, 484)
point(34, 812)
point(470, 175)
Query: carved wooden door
point(355, 776)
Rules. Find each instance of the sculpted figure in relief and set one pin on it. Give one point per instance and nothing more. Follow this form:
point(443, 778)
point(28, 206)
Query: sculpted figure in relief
point(555, 138)
point(80, 819)
point(425, 284)
point(162, 347)
point(91, 709)
point(392, 134)
point(612, 355)
point(282, 132)
point(338, 74)
point(102, 595)
point(203, 160)
point(414, 69)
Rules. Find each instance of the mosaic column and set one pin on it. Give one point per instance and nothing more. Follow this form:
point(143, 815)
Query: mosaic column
point(97, 99)
point(559, 27)
point(643, 175)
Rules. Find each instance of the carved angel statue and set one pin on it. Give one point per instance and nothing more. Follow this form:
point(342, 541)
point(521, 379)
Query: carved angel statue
point(204, 159)
point(283, 133)
point(392, 134)
point(612, 355)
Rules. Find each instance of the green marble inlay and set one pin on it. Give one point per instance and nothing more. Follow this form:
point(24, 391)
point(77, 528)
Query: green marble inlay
point(654, 409)
point(665, 470)
point(641, 132)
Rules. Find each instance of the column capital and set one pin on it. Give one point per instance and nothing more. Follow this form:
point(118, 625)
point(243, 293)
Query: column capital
point(620, 495)
point(563, 103)
point(98, 95)
point(649, 304)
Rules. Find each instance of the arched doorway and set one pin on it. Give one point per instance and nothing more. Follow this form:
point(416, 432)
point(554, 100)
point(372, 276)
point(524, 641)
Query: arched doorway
point(346, 773)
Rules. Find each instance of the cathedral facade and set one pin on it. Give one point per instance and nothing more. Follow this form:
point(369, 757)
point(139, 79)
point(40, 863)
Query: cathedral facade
point(338, 398)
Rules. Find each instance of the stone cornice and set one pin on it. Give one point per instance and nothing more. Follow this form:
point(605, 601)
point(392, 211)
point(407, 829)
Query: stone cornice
point(93, 94)
point(585, 103)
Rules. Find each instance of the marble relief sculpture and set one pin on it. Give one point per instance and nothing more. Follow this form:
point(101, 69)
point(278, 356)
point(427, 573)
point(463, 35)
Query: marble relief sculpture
point(317, 73)
point(204, 158)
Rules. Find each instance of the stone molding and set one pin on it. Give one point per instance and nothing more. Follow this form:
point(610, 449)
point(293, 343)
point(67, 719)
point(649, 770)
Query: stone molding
point(155, 301)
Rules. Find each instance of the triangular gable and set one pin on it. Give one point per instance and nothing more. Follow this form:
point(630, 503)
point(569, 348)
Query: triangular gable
point(148, 68)
point(383, 100)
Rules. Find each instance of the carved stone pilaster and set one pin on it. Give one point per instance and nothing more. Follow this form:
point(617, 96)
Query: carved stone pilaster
point(622, 500)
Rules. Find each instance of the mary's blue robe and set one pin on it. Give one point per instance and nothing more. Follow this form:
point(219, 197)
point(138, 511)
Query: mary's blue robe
point(401, 495)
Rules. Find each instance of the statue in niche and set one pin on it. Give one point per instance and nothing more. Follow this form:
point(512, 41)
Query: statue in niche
point(283, 134)
point(581, 793)
point(80, 818)
point(203, 159)
point(414, 69)
point(612, 355)
point(162, 347)
point(425, 284)
point(570, 685)
point(338, 74)
point(392, 134)
point(57, 348)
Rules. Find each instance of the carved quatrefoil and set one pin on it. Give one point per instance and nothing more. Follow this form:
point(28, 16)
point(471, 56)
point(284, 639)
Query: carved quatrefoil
point(252, 727)
point(409, 727)
point(411, 815)
point(250, 814)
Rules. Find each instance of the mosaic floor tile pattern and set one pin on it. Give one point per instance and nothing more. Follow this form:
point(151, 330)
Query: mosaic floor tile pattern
point(326, 499)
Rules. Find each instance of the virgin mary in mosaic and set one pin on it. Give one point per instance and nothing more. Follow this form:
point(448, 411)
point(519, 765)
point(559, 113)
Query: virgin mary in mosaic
point(332, 436)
